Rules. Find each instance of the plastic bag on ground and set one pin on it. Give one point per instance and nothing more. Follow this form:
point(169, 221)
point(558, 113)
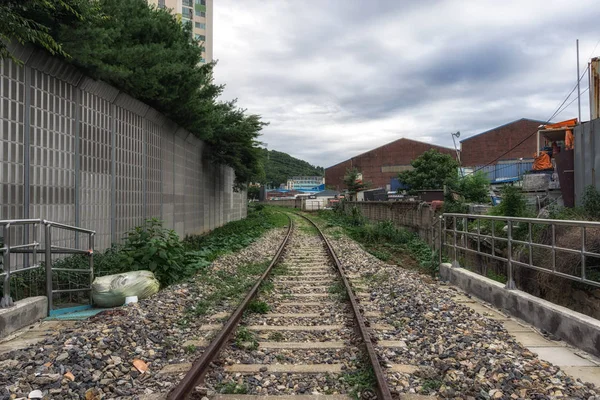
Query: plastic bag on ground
point(111, 290)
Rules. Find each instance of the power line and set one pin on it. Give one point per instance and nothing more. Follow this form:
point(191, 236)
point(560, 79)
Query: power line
point(556, 112)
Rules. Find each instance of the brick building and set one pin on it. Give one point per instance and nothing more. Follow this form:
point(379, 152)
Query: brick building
point(485, 147)
point(379, 165)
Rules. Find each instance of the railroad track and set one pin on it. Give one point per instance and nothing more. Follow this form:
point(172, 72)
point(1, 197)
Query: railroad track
point(299, 331)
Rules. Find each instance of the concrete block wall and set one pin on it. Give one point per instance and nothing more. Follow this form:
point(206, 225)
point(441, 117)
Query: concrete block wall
point(78, 151)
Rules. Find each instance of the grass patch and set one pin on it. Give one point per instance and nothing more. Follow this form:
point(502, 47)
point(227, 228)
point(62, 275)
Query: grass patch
point(258, 307)
point(231, 388)
point(245, 339)
point(191, 349)
point(360, 380)
point(384, 240)
point(431, 385)
point(275, 337)
point(338, 290)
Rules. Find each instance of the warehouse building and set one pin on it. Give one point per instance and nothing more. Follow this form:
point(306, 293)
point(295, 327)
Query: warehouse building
point(490, 146)
point(380, 165)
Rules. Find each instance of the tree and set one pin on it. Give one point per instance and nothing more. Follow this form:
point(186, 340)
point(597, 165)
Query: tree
point(147, 53)
point(253, 192)
point(431, 170)
point(353, 180)
point(30, 21)
point(474, 188)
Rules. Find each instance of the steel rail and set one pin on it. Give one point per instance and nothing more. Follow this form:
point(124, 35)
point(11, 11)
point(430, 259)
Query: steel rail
point(199, 368)
point(382, 386)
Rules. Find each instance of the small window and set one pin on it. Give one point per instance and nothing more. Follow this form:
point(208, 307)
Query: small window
point(200, 13)
point(200, 25)
point(161, 3)
point(201, 38)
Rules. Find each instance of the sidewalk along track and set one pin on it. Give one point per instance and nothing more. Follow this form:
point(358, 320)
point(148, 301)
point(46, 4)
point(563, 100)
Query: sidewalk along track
point(310, 338)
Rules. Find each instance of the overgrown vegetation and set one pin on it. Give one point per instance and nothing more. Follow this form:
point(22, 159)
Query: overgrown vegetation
point(258, 307)
point(245, 339)
point(153, 247)
point(147, 53)
point(384, 240)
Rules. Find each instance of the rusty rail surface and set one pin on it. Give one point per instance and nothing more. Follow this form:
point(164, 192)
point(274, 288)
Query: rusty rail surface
point(382, 386)
point(199, 368)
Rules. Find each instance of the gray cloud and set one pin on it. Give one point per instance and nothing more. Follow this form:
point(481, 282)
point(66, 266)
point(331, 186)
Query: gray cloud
point(337, 78)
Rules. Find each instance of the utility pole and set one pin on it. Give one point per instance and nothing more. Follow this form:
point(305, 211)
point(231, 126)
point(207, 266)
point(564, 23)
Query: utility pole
point(578, 86)
point(457, 135)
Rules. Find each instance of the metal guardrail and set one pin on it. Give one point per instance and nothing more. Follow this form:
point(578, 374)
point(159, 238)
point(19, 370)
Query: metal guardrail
point(461, 235)
point(33, 248)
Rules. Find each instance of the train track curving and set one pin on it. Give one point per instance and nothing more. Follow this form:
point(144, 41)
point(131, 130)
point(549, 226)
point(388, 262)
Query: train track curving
point(300, 330)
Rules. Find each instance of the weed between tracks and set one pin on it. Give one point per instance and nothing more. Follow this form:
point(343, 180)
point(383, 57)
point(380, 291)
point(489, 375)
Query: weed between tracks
point(360, 380)
point(244, 339)
point(231, 388)
point(276, 337)
point(226, 287)
point(338, 291)
point(258, 307)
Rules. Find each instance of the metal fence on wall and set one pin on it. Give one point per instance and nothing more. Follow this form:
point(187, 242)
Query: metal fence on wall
point(79, 152)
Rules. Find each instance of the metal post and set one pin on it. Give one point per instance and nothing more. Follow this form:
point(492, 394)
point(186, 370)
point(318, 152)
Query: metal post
point(583, 271)
point(455, 263)
point(48, 250)
point(530, 247)
point(510, 283)
point(91, 262)
point(6, 299)
point(493, 238)
point(77, 130)
point(442, 233)
point(553, 248)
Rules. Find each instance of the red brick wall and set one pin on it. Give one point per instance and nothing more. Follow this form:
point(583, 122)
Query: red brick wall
point(400, 152)
point(488, 146)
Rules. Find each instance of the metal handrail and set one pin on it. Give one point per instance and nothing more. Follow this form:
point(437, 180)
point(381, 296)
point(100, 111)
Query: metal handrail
point(33, 248)
point(528, 243)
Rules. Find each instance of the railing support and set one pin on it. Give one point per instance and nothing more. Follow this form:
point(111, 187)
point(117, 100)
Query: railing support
point(510, 282)
point(48, 264)
point(6, 299)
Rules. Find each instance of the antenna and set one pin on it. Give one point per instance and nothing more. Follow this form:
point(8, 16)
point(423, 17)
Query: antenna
point(454, 137)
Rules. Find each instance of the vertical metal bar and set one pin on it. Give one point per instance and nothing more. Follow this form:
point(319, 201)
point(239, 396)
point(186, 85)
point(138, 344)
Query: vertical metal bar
point(77, 131)
point(553, 248)
point(510, 283)
point(583, 238)
point(455, 261)
point(48, 258)
point(530, 247)
point(478, 235)
point(442, 233)
point(91, 262)
point(493, 237)
point(6, 299)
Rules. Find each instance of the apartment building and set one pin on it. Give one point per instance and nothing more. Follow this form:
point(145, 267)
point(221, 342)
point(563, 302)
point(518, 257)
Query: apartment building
point(197, 12)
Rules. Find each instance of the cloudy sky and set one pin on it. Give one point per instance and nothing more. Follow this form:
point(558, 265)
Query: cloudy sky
point(336, 78)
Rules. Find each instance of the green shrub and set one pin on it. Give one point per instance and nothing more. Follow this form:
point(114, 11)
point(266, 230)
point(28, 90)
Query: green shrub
point(591, 202)
point(157, 249)
point(513, 203)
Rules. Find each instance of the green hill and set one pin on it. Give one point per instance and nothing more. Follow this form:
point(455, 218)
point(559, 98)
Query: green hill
point(281, 166)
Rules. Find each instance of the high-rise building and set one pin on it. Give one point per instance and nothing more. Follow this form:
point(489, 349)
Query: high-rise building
point(200, 14)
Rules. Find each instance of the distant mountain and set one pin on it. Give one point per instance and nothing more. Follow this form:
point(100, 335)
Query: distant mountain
point(281, 166)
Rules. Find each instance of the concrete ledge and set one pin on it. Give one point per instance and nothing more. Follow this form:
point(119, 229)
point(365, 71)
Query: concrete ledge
point(24, 312)
point(574, 328)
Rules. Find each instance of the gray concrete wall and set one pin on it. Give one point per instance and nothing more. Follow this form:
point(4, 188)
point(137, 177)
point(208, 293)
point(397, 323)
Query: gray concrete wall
point(78, 151)
point(587, 160)
point(575, 328)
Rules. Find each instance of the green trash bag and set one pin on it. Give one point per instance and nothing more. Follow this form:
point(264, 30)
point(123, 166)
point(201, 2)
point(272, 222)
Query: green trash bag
point(111, 290)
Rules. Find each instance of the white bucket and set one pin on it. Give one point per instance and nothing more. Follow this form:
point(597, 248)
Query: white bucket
point(131, 299)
